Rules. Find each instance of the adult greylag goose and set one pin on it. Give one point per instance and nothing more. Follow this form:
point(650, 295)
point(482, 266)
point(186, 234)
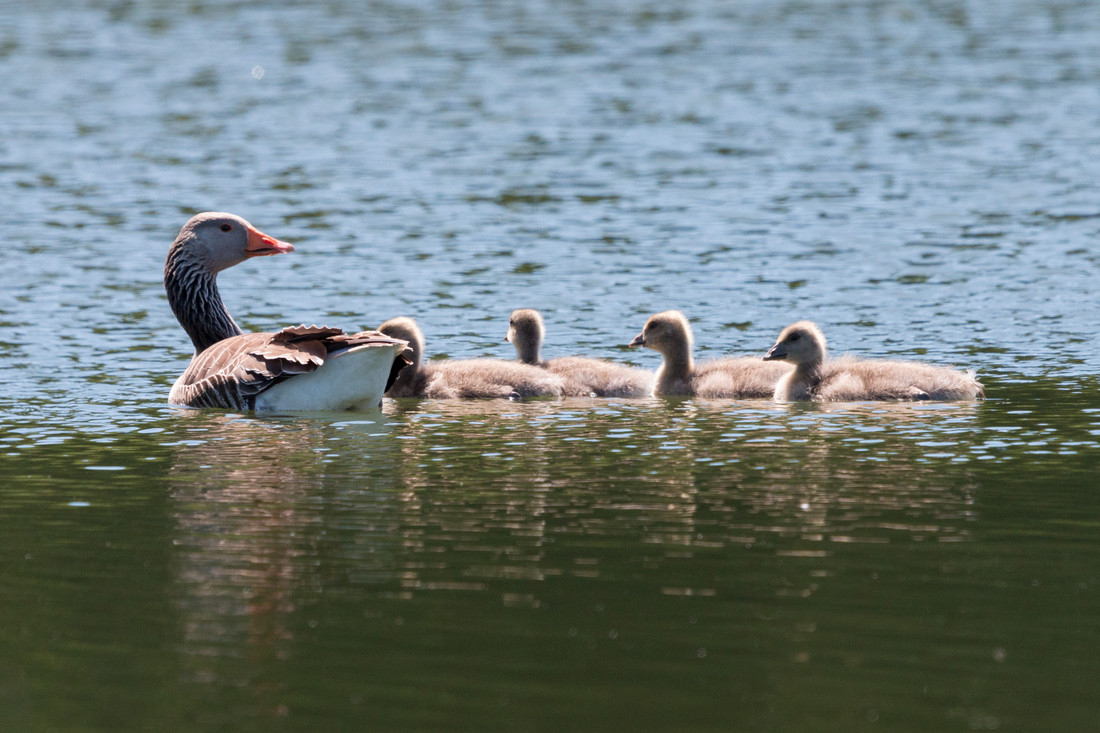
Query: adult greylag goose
point(848, 379)
point(297, 368)
point(733, 377)
point(583, 376)
point(464, 378)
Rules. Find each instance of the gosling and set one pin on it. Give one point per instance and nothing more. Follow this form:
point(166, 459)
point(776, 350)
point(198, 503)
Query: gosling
point(849, 379)
point(583, 376)
point(669, 333)
point(464, 378)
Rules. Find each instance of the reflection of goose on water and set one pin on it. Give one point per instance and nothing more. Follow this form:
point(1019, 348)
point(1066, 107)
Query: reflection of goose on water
point(848, 379)
point(464, 378)
point(735, 377)
point(298, 368)
point(583, 376)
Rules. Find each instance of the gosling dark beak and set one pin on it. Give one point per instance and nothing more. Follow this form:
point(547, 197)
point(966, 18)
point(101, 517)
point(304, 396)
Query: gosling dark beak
point(639, 340)
point(775, 353)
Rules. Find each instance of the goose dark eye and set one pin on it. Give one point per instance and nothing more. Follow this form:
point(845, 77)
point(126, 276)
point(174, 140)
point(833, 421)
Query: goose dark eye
point(795, 336)
point(226, 227)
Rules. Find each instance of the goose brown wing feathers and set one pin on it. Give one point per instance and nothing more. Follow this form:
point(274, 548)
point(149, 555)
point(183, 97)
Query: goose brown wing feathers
point(231, 373)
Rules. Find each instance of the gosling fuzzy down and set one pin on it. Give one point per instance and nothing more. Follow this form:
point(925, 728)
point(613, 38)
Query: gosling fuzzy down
point(848, 379)
point(669, 333)
point(583, 376)
point(464, 378)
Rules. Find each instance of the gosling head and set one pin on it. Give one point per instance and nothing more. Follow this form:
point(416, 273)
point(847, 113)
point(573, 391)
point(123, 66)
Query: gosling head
point(525, 332)
point(665, 332)
point(799, 343)
point(406, 329)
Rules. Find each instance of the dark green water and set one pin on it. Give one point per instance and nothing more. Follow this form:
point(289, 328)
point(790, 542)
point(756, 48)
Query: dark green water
point(918, 177)
point(658, 565)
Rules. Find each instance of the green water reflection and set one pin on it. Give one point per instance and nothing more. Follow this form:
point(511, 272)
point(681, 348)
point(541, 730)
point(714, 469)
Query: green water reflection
point(550, 565)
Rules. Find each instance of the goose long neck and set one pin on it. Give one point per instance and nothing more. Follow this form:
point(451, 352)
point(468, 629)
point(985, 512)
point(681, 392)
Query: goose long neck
point(412, 375)
point(803, 381)
point(194, 297)
point(677, 364)
point(810, 371)
point(530, 349)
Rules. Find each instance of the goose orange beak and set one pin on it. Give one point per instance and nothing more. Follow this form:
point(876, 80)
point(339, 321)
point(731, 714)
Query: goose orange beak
point(261, 245)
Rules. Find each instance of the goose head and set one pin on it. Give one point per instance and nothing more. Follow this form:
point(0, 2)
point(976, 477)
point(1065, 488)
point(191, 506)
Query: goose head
point(215, 241)
point(406, 329)
point(668, 333)
point(800, 343)
point(207, 244)
point(526, 332)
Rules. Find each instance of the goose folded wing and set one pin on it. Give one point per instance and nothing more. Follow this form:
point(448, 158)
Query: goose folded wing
point(301, 349)
point(233, 371)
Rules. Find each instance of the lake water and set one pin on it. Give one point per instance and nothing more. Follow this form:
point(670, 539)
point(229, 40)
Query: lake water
point(921, 178)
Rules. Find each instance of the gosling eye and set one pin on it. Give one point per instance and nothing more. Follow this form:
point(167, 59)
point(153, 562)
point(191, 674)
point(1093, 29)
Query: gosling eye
point(794, 337)
point(227, 227)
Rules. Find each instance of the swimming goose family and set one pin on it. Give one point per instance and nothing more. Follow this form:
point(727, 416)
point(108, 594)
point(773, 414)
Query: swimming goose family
point(297, 368)
point(323, 368)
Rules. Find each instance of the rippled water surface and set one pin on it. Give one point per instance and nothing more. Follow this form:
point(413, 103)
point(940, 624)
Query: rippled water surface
point(918, 177)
